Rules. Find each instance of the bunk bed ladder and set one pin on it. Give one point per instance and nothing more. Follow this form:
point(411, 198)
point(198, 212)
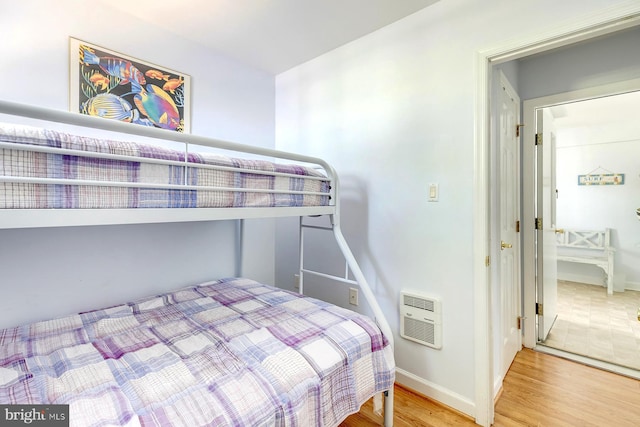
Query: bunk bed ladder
point(351, 268)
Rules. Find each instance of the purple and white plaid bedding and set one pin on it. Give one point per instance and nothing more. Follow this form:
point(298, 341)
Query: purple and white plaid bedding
point(227, 353)
point(20, 163)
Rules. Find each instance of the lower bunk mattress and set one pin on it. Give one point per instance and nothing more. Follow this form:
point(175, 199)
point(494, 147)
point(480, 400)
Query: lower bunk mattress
point(231, 352)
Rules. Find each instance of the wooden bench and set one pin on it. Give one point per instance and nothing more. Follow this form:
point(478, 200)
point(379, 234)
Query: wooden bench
point(588, 247)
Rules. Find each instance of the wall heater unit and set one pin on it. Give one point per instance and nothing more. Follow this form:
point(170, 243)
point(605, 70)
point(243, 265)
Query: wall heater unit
point(421, 319)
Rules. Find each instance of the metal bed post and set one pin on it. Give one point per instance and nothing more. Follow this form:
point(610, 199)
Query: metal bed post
point(239, 261)
point(301, 257)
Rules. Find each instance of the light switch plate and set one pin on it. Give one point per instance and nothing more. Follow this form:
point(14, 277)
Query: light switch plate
point(433, 193)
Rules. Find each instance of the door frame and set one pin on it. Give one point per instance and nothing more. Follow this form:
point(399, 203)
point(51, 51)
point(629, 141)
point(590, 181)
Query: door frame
point(624, 15)
point(529, 108)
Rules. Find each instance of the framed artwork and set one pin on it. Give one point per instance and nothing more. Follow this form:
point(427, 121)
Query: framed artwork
point(601, 179)
point(108, 84)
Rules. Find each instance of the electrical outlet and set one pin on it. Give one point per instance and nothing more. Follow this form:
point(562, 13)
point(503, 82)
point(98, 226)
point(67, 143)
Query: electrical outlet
point(296, 282)
point(353, 296)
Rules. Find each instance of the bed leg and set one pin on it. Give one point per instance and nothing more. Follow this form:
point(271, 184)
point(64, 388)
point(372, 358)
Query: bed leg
point(388, 408)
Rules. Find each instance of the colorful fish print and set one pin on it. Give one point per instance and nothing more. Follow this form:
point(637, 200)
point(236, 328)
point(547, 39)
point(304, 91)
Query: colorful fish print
point(172, 84)
point(124, 70)
point(158, 106)
point(157, 75)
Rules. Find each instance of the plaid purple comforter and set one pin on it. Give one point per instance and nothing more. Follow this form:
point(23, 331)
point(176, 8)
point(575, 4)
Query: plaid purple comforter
point(227, 353)
point(20, 163)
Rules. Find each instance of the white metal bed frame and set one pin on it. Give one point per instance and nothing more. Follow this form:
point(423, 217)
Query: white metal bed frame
point(38, 218)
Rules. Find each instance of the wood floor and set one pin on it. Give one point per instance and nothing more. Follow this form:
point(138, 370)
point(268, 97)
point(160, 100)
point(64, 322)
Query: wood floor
point(539, 390)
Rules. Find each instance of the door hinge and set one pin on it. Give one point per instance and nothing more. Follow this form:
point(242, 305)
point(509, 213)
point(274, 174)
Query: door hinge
point(487, 261)
point(539, 309)
point(517, 226)
point(518, 126)
point(538, 139)
point(538, 224)
point(520, 319)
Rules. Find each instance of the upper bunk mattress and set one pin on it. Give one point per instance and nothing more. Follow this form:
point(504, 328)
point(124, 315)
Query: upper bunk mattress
point(143, 176)
point(227, 353)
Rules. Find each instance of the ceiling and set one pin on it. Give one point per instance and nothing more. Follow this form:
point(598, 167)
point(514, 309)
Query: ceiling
point(623, 108)
point(272, 35)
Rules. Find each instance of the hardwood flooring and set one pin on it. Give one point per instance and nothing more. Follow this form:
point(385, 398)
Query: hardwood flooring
point(539, 390)
point(411, 410)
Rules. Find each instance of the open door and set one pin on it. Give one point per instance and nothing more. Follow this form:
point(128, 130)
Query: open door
point(509, 222)
point(546, 249)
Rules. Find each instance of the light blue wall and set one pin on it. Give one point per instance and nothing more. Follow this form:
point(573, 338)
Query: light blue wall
point(608, 59)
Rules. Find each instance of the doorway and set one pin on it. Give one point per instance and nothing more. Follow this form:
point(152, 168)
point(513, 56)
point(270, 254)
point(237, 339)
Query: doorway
point(612, 20)
point(602, 130)
point(557, 63)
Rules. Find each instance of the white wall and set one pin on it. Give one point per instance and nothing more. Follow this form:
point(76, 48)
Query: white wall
point(394, 111)
point(52, 272)
point(611, 148)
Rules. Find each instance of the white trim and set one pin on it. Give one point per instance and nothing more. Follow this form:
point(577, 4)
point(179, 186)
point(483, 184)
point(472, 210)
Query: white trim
point(632, 286)
point(435, 392)
point(608, 20)
point(582, 278)
point(483, 349)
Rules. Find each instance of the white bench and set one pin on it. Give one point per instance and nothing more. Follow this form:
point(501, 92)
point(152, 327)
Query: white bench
point(588, 247)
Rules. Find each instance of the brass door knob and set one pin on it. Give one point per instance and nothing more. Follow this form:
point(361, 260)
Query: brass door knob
point(559, 230)
point(504, 245)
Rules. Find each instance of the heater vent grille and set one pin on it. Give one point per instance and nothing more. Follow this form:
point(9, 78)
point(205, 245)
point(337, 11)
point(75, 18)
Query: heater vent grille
point(417, 302)
point(421, 320)
point(423, 332)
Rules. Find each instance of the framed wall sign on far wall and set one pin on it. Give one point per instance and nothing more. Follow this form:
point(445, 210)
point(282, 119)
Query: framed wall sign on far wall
point(108, 84)
point(601, 179)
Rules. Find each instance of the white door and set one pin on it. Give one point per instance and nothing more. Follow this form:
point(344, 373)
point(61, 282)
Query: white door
point(509, 216)
point(547, 261)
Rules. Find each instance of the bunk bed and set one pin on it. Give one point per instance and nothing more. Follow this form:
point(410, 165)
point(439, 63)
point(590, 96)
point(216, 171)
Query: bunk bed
point(230, 351)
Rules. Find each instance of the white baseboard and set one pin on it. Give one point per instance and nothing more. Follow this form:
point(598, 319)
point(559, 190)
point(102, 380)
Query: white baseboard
point(435, 392)
point(497, 387)
point(632, 286)
point(580, 278)
point(591, 280)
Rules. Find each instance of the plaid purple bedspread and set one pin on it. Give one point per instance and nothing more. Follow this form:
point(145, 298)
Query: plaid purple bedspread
point(18, 163)
point(227, 353)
